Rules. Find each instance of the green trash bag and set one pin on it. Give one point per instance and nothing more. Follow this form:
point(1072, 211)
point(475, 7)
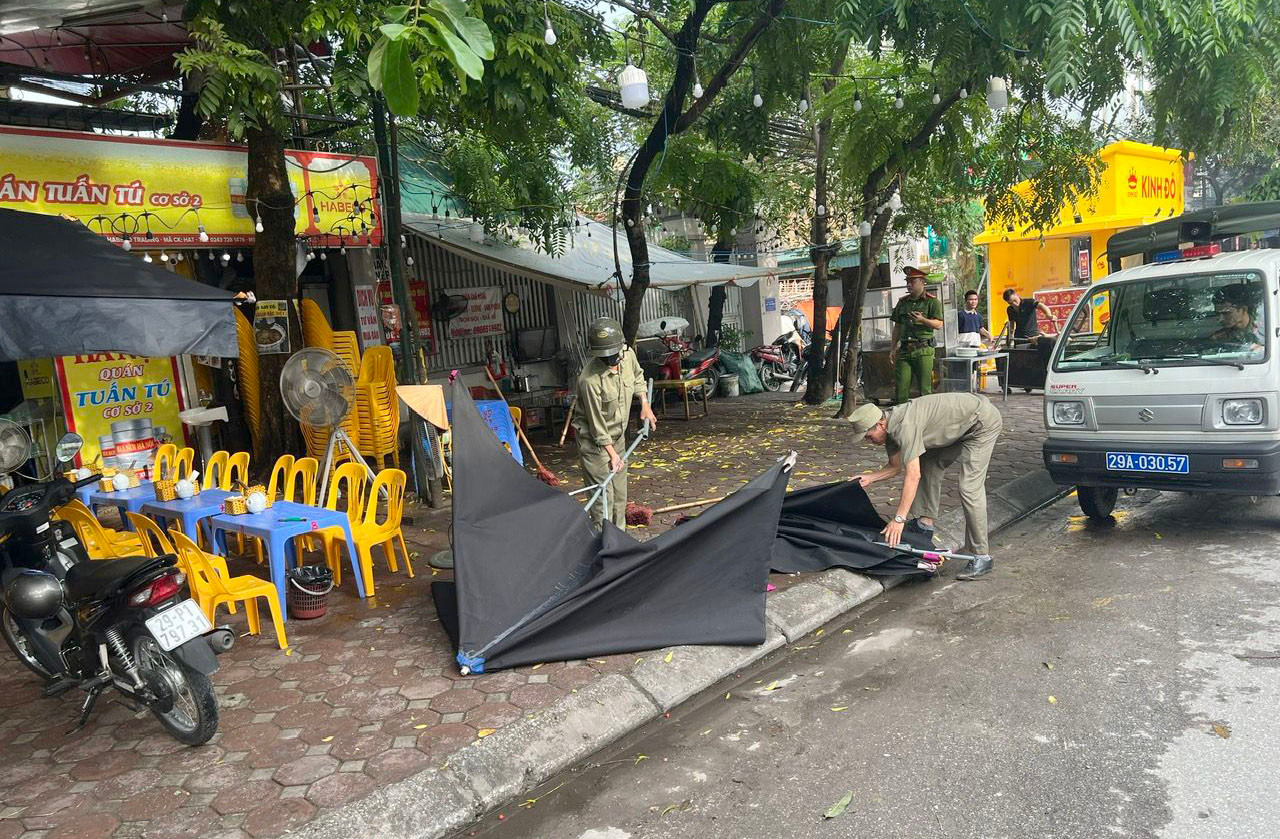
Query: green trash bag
point(748, 378)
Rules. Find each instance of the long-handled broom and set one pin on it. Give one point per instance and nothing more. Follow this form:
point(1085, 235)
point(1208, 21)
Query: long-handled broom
point(544, 474)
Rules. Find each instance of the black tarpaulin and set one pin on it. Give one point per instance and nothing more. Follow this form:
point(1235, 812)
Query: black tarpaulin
point(534, 582)
point(835, 526)
point(65, 290)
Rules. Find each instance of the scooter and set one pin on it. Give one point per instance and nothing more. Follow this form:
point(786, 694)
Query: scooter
point(775, 366)
point(108, 623)
point(684, 362)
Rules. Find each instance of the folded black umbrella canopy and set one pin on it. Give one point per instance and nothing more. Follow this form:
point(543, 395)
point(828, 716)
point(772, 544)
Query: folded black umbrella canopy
point(534, 581)
point(65, 290)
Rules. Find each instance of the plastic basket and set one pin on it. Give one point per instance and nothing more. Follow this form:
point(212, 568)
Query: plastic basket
point(309, 587)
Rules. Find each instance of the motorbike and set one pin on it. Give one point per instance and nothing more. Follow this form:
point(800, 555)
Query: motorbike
point(94, 625)
point(682, 361)
point(776, 366)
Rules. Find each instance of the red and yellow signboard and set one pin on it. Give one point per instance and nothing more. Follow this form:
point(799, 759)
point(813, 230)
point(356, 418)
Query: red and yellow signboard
point(127, 185)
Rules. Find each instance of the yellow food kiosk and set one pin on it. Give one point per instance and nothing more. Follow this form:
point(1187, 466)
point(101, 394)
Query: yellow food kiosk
point(1140, 184)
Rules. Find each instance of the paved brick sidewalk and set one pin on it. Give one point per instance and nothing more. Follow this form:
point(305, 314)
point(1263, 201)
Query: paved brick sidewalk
point(369, 694)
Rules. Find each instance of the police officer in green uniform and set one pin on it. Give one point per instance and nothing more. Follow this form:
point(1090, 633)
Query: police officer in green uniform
point(606, 387)
point(915, 319)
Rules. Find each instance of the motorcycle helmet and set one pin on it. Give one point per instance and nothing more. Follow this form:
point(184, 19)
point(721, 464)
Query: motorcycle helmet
point(33, 595)
point(604, 337)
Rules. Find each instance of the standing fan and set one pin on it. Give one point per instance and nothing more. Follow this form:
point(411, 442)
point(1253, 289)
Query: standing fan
point(318, 390)
point(15, 446)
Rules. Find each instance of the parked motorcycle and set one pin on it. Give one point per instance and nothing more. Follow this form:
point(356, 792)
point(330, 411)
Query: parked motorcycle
point(682, 361)
point(107, 623)
point(776, 366)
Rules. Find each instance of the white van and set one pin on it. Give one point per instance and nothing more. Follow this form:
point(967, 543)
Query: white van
point(1179, 390)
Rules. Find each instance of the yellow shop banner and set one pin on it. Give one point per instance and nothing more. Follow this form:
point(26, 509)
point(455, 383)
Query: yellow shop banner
point(124, 406)
point(167, 192)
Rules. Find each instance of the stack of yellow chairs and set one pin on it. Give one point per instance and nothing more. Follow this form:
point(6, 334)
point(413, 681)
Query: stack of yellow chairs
point(377, 407)
point(316, 332)
point(247, 378)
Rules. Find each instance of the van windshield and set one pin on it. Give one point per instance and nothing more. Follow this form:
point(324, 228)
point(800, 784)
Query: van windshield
point(1199, 319)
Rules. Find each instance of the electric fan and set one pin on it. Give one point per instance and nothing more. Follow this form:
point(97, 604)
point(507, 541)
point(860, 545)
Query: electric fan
point(318, 390)
point(15, 446)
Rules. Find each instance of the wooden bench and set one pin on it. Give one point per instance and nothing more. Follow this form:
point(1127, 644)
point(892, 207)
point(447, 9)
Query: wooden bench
point(683, 386)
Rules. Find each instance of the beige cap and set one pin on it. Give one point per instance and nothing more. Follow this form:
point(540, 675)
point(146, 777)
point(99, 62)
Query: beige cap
point(863, 417)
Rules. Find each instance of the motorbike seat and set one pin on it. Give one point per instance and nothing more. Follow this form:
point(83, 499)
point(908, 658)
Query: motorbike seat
point(697, 357)
point(106, 576)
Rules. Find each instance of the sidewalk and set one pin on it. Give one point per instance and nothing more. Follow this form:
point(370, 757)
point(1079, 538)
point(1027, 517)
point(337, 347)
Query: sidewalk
point(364, 727)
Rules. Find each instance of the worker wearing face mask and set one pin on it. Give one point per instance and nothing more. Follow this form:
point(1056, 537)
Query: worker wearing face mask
point(606, 388)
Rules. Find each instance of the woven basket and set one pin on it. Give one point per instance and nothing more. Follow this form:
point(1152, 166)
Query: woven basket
point(166, 490)
point(105, 485)
point(235, 505)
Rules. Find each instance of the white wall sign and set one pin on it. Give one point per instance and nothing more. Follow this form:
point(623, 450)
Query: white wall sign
point(369, 326)
point(483, 315)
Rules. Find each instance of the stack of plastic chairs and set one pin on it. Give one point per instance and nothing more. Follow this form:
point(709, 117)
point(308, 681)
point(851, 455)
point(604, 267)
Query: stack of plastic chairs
point(250, 385)
point(316, 332)
point(377, 407)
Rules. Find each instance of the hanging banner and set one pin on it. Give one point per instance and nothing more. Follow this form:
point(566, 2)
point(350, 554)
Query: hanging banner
point(483, 315)
point(271, 327)
point(174, 190)
point(368, 317)
point(390, 316)
point(124, 406)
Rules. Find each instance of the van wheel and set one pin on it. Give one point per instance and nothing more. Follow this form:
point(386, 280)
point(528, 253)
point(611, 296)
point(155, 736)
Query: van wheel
point(1097, 502)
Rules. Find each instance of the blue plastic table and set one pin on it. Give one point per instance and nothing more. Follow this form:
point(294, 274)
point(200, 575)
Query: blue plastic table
point(277, 534)
point(190, 511)
point(129, 499)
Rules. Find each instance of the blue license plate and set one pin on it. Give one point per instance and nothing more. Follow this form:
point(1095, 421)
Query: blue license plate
point(1144, 462)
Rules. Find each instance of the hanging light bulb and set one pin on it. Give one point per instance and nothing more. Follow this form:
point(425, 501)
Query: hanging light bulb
point(857, 102)
point(343, 248)
point(435, 212)
point(895, 201)
point(408, 260)
point(633, 84)
point(146, 257)
point(164, 257)
point(257, 224)
point(756, 99)
point(477, 232)
point(550, 35)
point(226, 257)
point(315, 214)
point(212, 256)
point(126, 243)
point(203, 235)
point(804, 100)
point(937, 97)
point(178, 257)
point(822, 210)
point(864, 229)
point(324, 255)
point(697, 86)
point(899, 102)
point(964, 92)
point(310, 256)
point(239, 256)
point(997, 94)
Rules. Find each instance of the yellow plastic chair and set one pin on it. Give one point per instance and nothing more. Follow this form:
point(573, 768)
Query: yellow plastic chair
point(185, 463)
point(370, 531)
point(215, 471)
point(349, 482)
point(166, 462)
point(213, 590)
point(99, 541)
point(279, 475)
point(237, 471)
point(155, 542)
point(301, 486)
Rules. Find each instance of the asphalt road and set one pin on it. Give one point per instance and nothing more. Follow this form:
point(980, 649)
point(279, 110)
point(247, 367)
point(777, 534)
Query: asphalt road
point(1105, 682)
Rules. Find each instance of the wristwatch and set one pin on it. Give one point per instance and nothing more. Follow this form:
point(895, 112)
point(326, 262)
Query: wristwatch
point(899, 519)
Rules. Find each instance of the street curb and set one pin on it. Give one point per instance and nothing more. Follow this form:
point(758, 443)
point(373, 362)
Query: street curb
point(497, 769)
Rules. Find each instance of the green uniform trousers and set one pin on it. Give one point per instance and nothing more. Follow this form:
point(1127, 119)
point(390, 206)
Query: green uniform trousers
point(918, 364)
point(973, 453)
point(595, 468)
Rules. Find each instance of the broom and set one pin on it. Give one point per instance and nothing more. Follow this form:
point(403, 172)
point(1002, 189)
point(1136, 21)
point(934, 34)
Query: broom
point(639, 515)
point(544, 474)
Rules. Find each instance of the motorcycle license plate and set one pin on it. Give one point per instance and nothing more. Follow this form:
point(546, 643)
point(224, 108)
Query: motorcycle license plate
point(177, 625)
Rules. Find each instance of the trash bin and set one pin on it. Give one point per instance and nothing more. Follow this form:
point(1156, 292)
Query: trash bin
point(309, 587)
point(729, 384)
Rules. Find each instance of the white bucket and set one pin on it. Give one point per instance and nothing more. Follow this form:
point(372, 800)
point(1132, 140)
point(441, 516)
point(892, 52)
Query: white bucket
point(729, 384)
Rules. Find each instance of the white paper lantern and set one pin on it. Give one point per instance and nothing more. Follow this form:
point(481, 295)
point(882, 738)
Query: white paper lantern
point(997, 93)
point(864, 229)
point(634, 85)
point(895, 202)
point(697, 90)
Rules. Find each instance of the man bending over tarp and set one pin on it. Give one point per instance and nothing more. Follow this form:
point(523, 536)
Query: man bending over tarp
point(535, 582)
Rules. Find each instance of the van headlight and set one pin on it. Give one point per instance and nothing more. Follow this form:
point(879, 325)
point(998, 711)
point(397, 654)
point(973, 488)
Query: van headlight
point(1242, 411)
point(1068, 413)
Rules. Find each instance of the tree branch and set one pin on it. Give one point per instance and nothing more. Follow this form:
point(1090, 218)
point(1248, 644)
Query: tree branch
point(730, 66)
point(648, 15)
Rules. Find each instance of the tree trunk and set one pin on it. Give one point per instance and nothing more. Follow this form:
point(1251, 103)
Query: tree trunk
point(820, 386)
point(715, 305)
point(854, 289)
point(188, 124)
point(275, 278)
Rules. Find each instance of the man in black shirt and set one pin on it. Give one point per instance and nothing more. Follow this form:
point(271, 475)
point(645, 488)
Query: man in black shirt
point(1022, 315)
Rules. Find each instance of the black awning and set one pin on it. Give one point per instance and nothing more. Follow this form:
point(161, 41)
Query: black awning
point(65, 290)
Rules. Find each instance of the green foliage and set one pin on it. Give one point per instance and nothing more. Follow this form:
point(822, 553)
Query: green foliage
point(240, 84)
point(732, 337)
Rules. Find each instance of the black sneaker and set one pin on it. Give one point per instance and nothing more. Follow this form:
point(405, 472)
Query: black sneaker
point(978, 567)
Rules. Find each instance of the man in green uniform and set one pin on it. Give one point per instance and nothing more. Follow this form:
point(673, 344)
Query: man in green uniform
point(915, 318)
point(923, 438)
point(605, 389)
